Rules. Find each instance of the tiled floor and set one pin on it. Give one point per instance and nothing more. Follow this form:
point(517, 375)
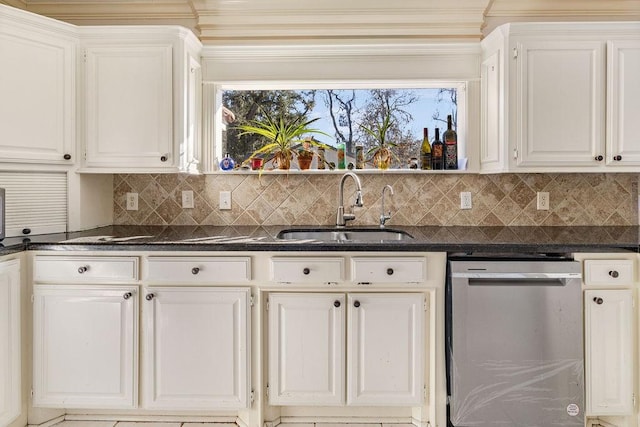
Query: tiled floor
point(137, 424)
point(152, 424)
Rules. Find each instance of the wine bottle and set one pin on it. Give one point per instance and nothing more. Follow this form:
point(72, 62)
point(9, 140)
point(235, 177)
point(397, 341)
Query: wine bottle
point(437, 152)
point(425, 151)
point(450, 138)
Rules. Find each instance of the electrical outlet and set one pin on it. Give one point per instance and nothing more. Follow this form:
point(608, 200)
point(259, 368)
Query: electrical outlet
point(465, 200)
point(225, 200)
point(132, 201)
point(543, 201)
point(187, 199)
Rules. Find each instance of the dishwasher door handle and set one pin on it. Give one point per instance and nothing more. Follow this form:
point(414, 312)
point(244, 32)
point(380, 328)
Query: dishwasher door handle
point(517, 282)
point(513, 276)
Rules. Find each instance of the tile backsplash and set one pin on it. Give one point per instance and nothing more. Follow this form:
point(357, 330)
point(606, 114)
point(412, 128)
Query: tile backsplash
point(424, 199)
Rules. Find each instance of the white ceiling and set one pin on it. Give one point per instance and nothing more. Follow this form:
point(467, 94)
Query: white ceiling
point(257, 21)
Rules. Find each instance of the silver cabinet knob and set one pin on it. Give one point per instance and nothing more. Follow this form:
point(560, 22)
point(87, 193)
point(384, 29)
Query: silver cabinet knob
point(149, 297)
point(83, 269)
point(598, 300)
point(195, 270)
point(306, 271)
point(614, 274)
point(599, 158)
point(336, 303)
point(617, 158)
point(356, 304)
point(127, 295)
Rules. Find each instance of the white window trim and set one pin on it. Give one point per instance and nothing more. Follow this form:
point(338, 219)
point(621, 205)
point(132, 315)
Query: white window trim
point(342, 66)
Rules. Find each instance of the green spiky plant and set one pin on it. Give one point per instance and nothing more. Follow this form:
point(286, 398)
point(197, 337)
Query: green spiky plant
point(282, 136)
point(381, 152)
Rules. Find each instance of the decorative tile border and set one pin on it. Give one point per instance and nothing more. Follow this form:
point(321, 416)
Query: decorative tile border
point(298, 199)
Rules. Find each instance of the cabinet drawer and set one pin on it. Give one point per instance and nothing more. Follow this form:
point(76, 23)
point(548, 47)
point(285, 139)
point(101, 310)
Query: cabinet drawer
point(198, 269)
point(609, 272)
point(389, 269)
point(307, 269)
point(85, 269)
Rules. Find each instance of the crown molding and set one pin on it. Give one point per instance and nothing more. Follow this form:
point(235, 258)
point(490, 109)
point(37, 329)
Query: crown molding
point(564, 8)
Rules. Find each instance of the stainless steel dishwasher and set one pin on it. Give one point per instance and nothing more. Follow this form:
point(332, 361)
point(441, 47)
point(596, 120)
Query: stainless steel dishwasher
point(514, 332)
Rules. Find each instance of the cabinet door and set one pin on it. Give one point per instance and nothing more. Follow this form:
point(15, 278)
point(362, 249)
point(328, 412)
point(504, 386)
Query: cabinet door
point(385, 354)
point(559, 103)
point(609, 352)
point(10, 367)
point(85, 346)
point(306, 349)
point(196, 348)
point(623, 103)
point(129, 107)
point(37, 89)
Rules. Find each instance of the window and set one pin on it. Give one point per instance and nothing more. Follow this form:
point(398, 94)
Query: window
point(342, 113)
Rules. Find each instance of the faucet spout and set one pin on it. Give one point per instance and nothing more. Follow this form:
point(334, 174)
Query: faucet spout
point(385, 217)
point(341, 217)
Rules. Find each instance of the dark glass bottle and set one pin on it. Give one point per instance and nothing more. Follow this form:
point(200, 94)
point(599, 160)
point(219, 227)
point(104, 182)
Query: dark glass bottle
point(425, 151)
point(450, 138)
point(437, 152)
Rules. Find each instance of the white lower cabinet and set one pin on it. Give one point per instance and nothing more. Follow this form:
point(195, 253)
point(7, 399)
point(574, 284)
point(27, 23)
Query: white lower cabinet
point(385, 349)
point(85, 346)
point(10, 367)
point(195, 340)
point(306, 349)
point(196, 348)
point(609, 351)
point(384, 353)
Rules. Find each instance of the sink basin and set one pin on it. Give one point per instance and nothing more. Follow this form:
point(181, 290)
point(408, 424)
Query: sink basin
point(345, 235)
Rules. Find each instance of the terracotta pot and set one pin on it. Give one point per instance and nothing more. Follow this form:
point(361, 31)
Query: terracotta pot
point(305, 162)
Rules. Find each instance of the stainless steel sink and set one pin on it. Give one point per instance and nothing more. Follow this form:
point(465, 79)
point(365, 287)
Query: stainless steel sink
point(345, 235)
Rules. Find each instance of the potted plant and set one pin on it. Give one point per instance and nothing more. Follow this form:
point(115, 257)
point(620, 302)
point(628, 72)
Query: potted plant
point(381, 151)
point(282, 136)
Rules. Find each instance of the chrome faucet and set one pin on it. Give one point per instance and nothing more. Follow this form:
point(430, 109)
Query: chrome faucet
point(384, 218)
point(341, 217)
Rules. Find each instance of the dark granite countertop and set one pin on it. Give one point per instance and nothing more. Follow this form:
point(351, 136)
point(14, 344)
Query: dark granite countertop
point(250, 238)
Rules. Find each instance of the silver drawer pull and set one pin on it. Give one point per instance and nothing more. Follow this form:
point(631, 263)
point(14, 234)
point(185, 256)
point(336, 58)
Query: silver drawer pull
point(127, 295)
point(83, 269)
point(195, 270)
point(614, 274)
point(598, 300)
point(149, 297)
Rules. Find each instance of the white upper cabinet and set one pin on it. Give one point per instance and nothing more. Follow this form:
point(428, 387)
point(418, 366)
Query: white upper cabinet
point(623, 102)
point(559, 102)
point(137, 90)
point(137, 86)
point(37, 89)
point(557, 97)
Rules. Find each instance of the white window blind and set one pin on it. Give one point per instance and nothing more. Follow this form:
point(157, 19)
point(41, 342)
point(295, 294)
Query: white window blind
point(35, 200)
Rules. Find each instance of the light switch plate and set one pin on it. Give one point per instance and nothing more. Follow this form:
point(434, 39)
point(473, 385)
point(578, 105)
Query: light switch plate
point(225, 200)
